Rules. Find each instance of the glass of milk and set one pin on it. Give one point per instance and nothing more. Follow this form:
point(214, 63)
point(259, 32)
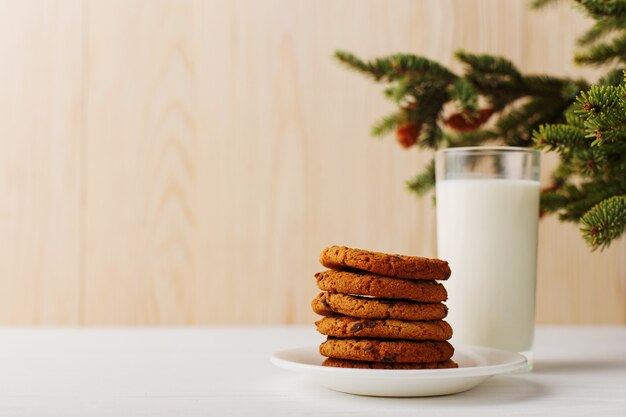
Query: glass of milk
point(487, 215)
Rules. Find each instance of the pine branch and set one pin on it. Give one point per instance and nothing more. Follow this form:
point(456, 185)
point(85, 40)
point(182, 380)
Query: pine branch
point(585, 125)
point(578, 200)
point(592, 145)
point(423, 182)
point(517, 124)
point(574, 116)
point(465, 94)
point(604, 109)
point(426, 110)
point(600, 30)
point(356, 64)
point(537, 4)
point(600, 99)
point(605, 222)
point(561, 138)
point(562, 173)
point(395, 66)
point(483, 64)
point(604, 8)
point(614, 77)
point(545, 85)
point(552, 202)
point(400, 90)
point(416, 66)
point(388, 124)
point(431, 135)
point(490, 74)
point(606, 130)
point(590, 162)
point(604, 53)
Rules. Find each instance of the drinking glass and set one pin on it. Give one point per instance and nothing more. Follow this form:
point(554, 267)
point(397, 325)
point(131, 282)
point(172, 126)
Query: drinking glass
point(487, 217)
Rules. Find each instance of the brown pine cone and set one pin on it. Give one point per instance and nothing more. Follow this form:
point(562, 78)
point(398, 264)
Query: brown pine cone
point(463, 122)
point(407, 133)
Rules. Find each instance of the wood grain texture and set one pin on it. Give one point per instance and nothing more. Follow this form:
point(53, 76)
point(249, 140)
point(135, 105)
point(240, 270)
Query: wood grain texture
point(141, 163)
point(40, 161)
point(186, 161)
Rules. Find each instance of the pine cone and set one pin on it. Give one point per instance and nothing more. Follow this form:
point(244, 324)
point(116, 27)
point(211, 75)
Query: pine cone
point(464, 122)
point(407, 133)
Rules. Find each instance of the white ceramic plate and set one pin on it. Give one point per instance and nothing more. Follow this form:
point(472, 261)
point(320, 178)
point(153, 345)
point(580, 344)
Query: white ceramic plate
point(476, 364)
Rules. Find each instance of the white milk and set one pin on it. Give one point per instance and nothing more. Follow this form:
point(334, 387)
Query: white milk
point(487, 231)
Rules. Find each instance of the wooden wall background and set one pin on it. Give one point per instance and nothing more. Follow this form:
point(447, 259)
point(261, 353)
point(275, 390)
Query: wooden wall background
point(170, 162)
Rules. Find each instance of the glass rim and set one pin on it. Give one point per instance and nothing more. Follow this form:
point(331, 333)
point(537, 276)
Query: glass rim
point(488, 150)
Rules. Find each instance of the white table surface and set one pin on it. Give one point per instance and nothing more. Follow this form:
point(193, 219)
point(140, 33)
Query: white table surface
point(225, 371)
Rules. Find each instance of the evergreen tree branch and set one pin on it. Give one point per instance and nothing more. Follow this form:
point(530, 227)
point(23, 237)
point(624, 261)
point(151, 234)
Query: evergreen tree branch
point(493, 102)
point(600, 31)
point(395, 66)
point(538, 4)
point(604, 8)
point(465, 94)
point(614, 77)
point(387, 124)
point(431, 135)
point(424, 181)
point(493, 76)
point(516, 125)
point(604, 222)
point(604, 53)
point(562, 138)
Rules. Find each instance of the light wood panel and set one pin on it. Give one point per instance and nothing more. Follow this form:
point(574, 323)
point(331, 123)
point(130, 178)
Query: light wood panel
point(40, 161)
point(141, 182)
point(200, 154)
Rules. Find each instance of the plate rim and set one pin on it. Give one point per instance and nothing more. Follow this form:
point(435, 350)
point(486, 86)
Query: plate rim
point(517, 362)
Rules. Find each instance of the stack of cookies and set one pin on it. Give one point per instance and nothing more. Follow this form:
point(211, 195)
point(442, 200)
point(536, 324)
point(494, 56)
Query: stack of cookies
point(383, 311)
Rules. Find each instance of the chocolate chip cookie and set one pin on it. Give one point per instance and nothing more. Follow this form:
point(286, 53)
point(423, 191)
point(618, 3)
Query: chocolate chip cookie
point(363, 283)
point(345, 363)
point(389, 351)
point(327, 303)
point(384, 329)
point(398, 266)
